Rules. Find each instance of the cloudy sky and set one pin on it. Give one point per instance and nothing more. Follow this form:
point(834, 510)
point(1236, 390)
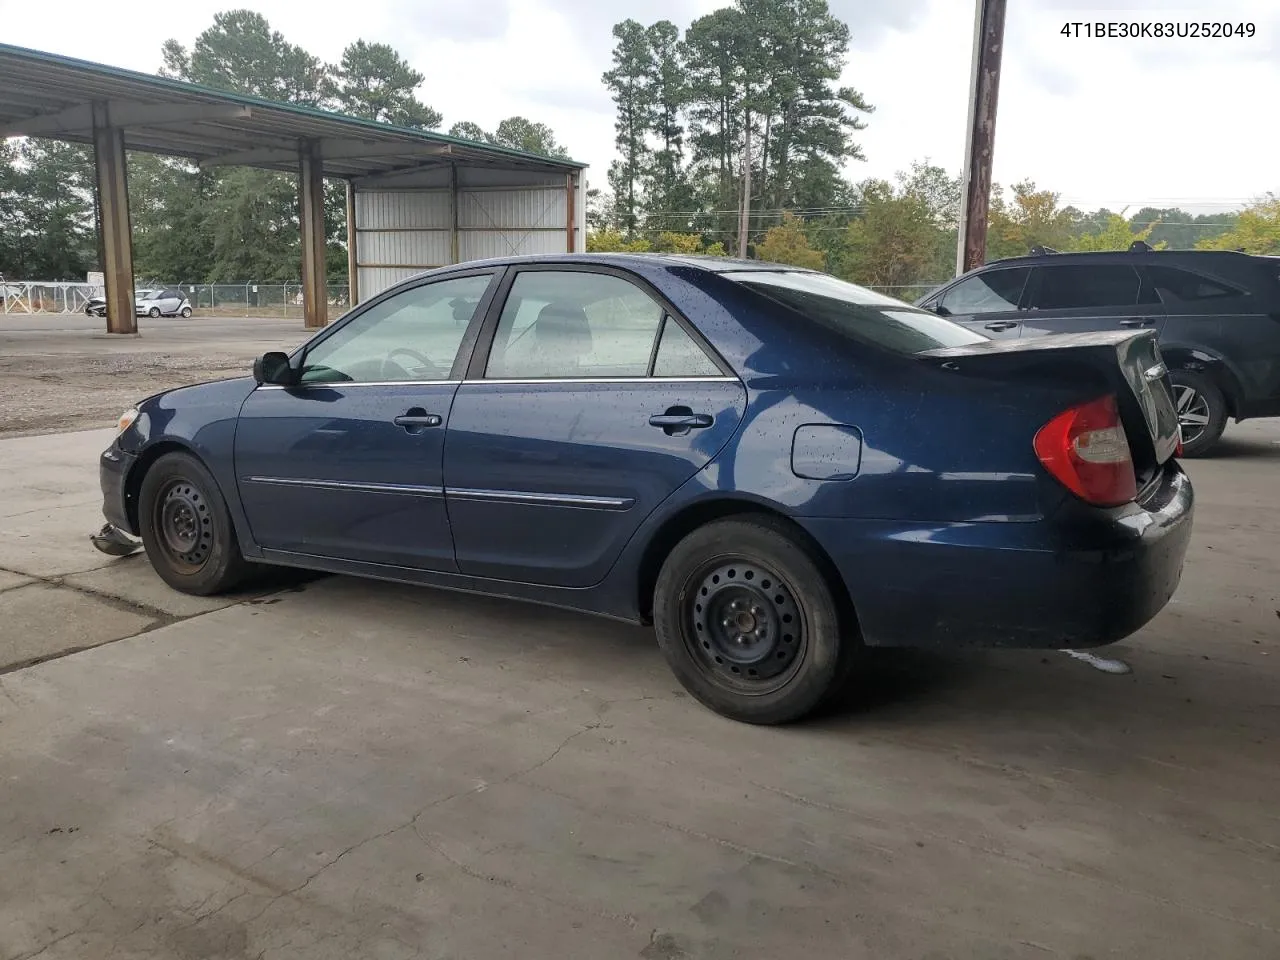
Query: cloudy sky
point(1104, 122)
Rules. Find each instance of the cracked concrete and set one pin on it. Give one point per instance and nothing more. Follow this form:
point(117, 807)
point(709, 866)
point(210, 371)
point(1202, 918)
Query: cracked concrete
point(356, 769)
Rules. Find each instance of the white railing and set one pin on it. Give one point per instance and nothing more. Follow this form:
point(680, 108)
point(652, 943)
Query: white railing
point(216, 299)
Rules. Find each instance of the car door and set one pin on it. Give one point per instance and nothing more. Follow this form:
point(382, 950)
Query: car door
point(989, 302)
point(1080, 297)
point(349, 463)
point(588, 402)
point(172, 301)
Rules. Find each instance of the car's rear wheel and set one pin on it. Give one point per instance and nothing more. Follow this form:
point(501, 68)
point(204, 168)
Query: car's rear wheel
point(153, 312)
point(748, 622)
point(186, 529)
point(186, 313)
point(1202, 411)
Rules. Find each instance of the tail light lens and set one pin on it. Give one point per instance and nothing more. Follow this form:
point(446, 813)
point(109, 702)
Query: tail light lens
point(1086, 450)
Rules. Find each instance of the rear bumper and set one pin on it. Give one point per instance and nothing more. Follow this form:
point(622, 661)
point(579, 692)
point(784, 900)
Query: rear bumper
point(1030, 585)
point(113, 471)
point(1249, 409)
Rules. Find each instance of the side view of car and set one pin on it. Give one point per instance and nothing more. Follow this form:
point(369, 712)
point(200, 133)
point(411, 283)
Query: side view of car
point(772, 467)
point(1216, 313)
point(163, 302)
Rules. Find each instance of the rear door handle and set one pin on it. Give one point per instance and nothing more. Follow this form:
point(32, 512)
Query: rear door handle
point(1002, 325)
point(681, 421)
point(1136, 322)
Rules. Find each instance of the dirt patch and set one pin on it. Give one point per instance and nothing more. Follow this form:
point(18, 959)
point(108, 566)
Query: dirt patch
point(81, 391)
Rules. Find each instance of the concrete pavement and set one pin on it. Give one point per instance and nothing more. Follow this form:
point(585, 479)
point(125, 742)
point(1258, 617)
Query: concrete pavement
point(351, 769)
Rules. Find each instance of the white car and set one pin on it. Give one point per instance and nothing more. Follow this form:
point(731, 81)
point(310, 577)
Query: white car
point(165, 302)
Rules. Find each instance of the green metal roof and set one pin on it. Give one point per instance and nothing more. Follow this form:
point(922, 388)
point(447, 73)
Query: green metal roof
point(49, 95)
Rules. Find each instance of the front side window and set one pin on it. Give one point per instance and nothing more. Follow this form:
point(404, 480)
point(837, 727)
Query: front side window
point(856, 312)
point(573, 325)
point(1084, 286)
point(996, 291)
point(413, 335)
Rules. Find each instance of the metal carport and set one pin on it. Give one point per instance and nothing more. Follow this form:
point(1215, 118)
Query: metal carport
point(415, 199)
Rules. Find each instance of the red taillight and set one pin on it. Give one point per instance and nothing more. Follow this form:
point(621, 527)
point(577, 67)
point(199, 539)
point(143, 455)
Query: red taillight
point(1086, 450)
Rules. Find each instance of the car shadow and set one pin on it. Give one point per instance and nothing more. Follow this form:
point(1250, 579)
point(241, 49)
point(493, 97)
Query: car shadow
point(1237, 448)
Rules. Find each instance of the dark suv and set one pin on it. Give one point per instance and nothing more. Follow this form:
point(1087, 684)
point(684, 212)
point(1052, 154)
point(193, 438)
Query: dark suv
point(1217, 315)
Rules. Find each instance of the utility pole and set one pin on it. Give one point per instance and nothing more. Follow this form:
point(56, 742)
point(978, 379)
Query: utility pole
point(744, 218)
point(984, 90)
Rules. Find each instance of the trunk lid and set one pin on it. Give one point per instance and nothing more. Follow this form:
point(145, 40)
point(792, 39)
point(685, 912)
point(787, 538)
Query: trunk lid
point(1129, 363)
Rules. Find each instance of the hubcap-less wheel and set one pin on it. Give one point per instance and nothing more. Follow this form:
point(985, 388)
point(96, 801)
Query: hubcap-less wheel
point(186, 529)
point(746, 629)
point(1193, 411)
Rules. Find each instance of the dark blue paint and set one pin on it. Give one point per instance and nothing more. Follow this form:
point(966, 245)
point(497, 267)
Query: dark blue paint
point(920, 486)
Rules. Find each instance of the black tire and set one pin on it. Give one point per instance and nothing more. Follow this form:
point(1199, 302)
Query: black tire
point(1202, 411)
point(153, 312)
point(186, 529)
point(748, 622)
point(186, 313)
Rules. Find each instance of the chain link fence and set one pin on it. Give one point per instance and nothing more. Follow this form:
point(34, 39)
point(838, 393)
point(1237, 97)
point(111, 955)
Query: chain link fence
point(282, 300)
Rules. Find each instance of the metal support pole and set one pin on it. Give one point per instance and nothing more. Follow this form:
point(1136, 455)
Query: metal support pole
point(353, 256)
point(315, 290)
point(571, 218)
point(984, 89)
point(744, 220)
point(454, 255)
point(116, 230)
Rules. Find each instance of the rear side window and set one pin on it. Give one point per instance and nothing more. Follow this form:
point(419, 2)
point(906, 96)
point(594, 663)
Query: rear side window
point(1183, 286)
point(679, 356)
point(996, 291)
point(856, 312)
point(1083, 286)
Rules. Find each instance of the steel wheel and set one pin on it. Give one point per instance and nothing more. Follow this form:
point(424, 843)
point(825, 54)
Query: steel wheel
point(1193, 411)
point(182, 519)
point(745, 627)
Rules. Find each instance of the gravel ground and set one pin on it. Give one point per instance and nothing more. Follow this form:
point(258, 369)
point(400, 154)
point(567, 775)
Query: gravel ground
point(60, 373)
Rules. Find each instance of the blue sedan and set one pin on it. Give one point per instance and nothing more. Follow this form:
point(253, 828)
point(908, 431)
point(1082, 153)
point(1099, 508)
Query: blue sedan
point(775, 468)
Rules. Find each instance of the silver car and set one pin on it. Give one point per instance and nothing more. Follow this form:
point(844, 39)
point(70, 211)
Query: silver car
point(165, 302)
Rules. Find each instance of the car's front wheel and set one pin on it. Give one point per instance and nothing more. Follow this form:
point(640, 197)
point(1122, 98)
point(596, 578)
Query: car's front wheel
point(153, 312)
point(748, 623)
point(1202, 411)
point(186, 529)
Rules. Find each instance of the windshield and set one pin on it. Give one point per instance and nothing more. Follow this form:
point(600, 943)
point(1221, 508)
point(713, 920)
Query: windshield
point(857, 312)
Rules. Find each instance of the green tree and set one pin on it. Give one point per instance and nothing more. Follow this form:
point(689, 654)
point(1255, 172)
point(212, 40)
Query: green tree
point(168, 201)
point(896, 240)
point(1116, 234)
point(630, 83)
point(1257, 230)
point(666, 188)
point(1032, 219)
point(241, 53)
point(46, 211)
point(613, 241)
point(518, 133)
point(466, 130)
point(1180, 230)
point(787, 243)
point(374, 82)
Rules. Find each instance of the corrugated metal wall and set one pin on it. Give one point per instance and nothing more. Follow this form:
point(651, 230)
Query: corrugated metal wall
point(404, 225)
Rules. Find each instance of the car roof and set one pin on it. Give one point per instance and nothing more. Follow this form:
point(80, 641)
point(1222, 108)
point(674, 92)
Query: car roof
point(706, 262)
point(1124, 256)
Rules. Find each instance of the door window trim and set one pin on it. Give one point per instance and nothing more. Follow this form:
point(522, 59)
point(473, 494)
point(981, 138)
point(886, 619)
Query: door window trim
point(475, 370)
point(465, 347)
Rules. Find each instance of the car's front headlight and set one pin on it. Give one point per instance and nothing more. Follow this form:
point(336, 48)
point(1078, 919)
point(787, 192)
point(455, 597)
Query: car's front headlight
point(126, 420)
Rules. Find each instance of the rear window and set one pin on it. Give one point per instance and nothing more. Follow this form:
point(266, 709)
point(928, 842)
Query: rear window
point(1183, 285)
point(856, 312)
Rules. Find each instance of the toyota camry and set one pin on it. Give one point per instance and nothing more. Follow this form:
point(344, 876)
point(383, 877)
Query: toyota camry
point(773, 467)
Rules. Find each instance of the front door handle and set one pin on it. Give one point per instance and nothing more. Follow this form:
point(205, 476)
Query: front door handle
point(416, 420)
point(1002, 325)
point(1136, 322)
